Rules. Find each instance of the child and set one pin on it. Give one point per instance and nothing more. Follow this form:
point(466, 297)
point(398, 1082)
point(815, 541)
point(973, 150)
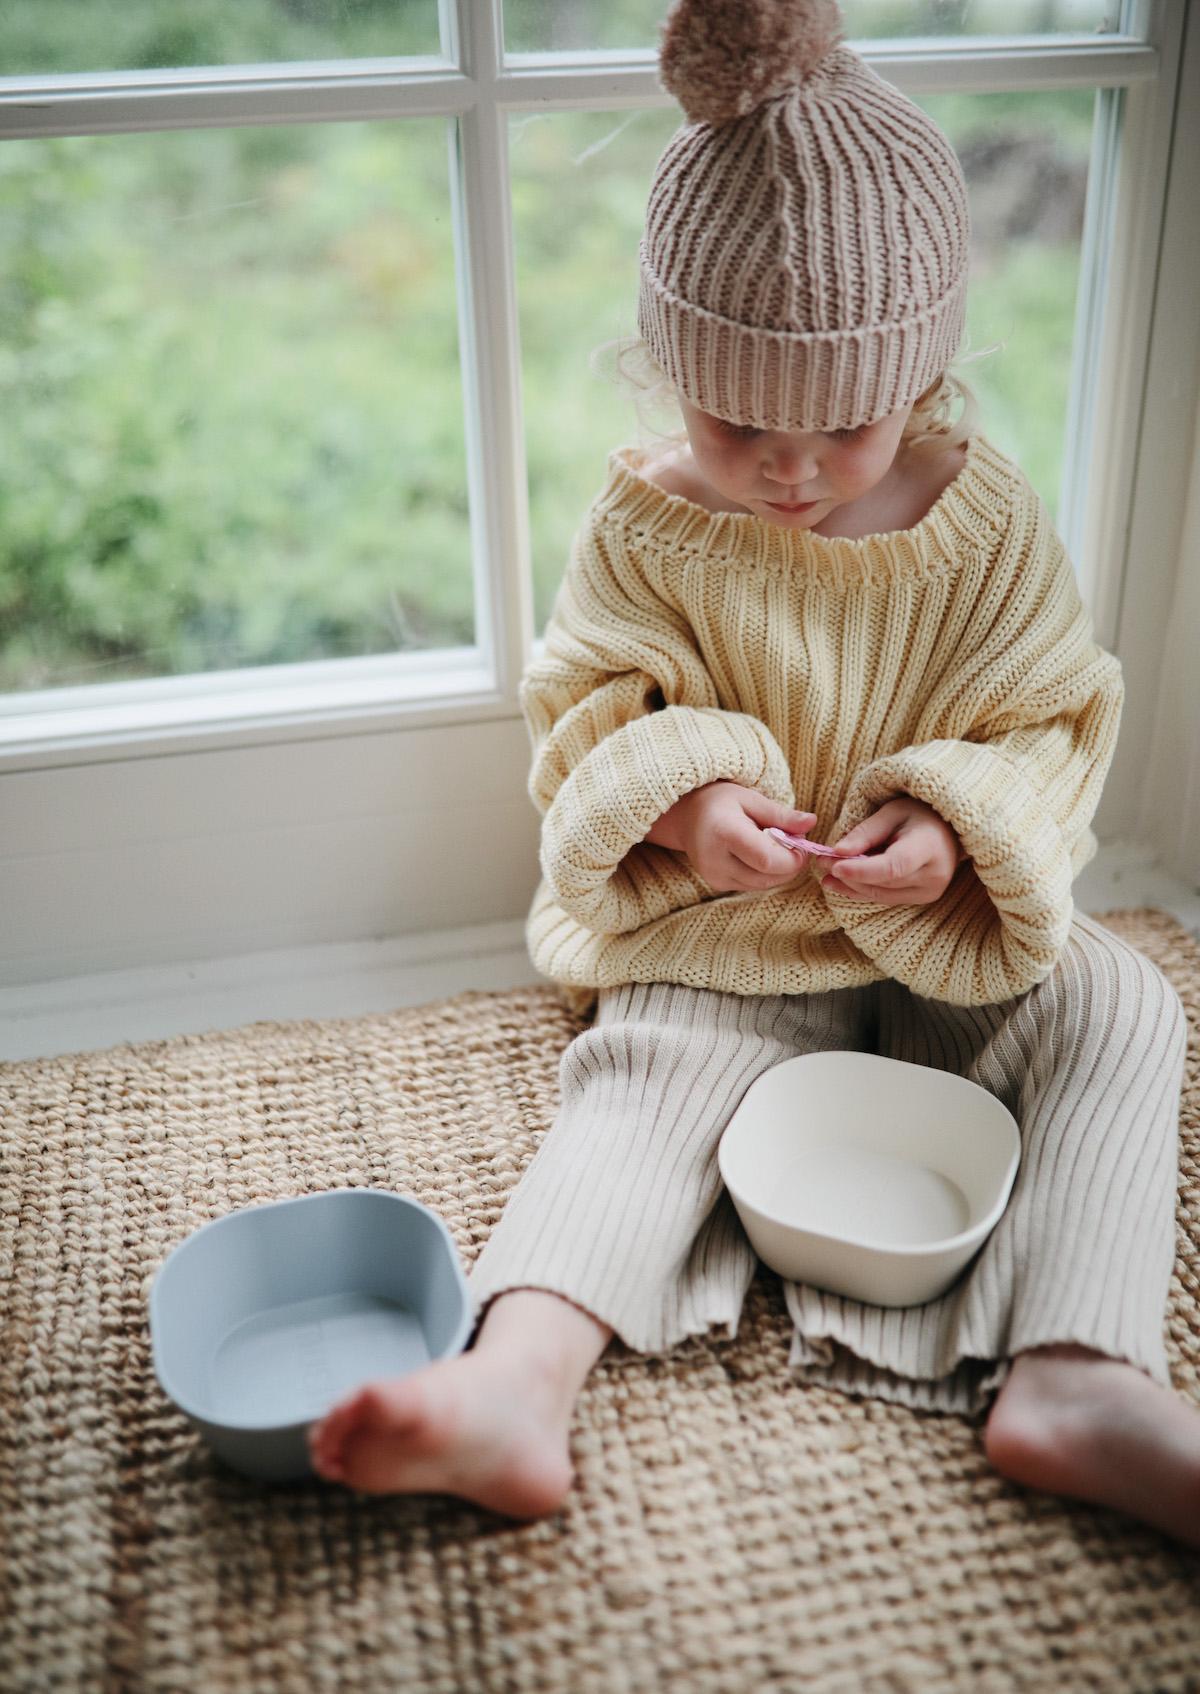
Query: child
point(826, 601)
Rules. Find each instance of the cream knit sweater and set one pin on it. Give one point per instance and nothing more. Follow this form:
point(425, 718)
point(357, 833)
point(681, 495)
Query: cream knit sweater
point(952, 661)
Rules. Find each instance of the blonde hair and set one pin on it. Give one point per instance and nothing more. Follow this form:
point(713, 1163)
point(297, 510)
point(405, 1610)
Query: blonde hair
point(932, 421)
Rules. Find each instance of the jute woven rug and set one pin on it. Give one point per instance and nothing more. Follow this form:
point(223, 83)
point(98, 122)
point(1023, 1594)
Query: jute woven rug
point(731, 1528)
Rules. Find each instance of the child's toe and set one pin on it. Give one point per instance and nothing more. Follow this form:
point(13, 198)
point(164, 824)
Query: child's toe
point(328, 1435)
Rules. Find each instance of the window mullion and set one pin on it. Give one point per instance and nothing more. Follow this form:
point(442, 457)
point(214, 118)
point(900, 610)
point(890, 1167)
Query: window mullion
point(491, 356)
point(218, 98)
point(613, 80)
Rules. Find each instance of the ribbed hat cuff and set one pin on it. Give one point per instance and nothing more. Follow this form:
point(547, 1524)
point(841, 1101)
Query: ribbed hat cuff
point(773, 379)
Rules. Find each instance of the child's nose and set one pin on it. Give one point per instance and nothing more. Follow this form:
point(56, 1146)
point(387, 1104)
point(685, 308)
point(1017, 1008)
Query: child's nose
point(788, 460)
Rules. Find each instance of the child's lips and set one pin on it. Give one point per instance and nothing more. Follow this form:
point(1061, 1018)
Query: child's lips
point(792, 507)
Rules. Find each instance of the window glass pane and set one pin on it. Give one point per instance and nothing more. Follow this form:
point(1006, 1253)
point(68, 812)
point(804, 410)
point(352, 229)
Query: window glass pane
point(233, 421)
point(579, 183)
point(39, 36)
point(868, 20)
point(579, 189)
point(542, 26)
point(538, 26)
point(1026, 162)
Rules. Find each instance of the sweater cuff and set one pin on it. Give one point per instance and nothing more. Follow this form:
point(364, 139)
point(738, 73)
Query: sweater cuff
point(594, 854)
point(1000, 926)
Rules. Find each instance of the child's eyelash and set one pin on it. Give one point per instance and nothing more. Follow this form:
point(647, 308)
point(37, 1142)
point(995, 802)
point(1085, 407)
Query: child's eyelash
point(745, 432)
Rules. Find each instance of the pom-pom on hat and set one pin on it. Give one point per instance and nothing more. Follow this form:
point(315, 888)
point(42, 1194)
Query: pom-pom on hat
point(804, 259)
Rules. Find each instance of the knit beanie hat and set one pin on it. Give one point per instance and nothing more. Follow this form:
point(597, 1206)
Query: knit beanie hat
point(804, 260)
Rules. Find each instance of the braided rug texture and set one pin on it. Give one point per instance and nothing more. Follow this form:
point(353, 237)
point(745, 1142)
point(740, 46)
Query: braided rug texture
point(731, 1529)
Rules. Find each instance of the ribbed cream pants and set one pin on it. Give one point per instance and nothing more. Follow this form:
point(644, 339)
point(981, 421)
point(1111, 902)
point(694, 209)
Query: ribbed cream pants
point(623, 1212)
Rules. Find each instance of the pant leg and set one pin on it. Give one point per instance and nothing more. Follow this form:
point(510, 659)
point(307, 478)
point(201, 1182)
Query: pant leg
point(1090, 1063)
point(622, 1209)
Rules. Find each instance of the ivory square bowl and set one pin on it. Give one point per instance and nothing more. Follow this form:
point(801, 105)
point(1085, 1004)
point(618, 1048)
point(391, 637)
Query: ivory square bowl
point(868, 1176)
point(262, 1319)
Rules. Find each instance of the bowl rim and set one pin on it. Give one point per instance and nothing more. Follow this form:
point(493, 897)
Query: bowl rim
point(274, 1427)
point(922, 1250)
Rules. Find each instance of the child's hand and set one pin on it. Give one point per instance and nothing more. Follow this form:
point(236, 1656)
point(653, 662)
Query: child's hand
point(919, 855)
point(722, 830)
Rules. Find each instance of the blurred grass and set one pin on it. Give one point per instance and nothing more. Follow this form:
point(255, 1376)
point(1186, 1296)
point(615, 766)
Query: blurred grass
point(540, 25)
point(137, 35)
point(229, 365)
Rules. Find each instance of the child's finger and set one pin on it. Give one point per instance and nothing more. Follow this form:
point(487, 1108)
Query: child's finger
point(760, 848)
point(862, 874)
point(871, 832)
point(884, 870)
point(765, 811)
point(894, 873)
point(909, 894)
point(763, 861)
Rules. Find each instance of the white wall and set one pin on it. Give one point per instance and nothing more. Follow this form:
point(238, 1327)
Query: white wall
point(1170, 797)
point(206, 855)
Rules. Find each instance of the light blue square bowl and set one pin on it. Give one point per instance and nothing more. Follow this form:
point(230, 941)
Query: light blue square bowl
point(261, 1320)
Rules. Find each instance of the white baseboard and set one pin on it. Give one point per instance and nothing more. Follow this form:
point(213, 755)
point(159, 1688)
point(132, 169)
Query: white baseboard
point(1127, 875)
point(87, 1012)
point(82, 1013)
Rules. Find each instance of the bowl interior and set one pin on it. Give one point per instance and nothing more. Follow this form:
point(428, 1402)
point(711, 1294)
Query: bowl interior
point(869, 1150)
point(265, 1317)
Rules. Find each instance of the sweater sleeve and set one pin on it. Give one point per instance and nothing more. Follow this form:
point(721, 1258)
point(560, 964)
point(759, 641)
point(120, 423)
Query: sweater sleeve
point(1040, 706)
point(624, 721)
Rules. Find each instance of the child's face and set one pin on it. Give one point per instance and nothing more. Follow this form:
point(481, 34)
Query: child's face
point(794, 478)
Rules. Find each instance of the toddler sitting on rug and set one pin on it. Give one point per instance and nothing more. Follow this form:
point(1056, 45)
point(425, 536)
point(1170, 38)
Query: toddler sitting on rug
point(839, 610)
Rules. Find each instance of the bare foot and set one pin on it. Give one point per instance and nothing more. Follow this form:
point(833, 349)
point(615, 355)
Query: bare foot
point(1076, 1422)
point(491, 1425)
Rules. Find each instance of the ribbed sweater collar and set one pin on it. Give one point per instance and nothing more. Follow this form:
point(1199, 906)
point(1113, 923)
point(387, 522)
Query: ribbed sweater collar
point(970, 513)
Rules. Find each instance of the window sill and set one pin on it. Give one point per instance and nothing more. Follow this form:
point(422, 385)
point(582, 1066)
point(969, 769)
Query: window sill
point(246, 708)
point(40, 1020)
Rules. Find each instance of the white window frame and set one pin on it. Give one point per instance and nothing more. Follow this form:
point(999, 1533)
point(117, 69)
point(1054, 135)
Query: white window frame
point(388, 714)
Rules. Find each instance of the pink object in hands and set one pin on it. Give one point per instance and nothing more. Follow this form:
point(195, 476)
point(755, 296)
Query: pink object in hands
point(801, 843)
